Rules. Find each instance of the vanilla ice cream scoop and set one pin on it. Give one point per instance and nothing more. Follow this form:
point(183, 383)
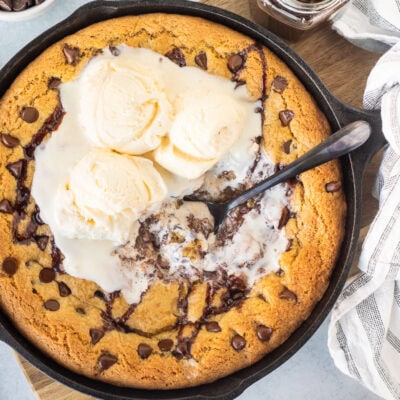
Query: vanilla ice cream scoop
point(204, 130)
point(123, 106)
point(105, 193)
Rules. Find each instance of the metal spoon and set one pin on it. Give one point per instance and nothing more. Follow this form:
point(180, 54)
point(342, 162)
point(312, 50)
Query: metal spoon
point(342, 142)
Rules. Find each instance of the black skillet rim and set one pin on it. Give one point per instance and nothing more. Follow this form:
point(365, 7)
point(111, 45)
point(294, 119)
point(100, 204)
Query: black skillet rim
point(335, 111)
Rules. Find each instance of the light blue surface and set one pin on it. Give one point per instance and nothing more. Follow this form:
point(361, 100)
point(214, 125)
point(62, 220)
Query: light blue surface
point(310, 374)
point(13, 385)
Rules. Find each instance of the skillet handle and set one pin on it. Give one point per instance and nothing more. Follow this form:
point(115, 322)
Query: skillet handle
point(363, 155)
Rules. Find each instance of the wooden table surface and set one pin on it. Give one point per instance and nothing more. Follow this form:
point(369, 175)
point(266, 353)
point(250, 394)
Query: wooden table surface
point(344, 69)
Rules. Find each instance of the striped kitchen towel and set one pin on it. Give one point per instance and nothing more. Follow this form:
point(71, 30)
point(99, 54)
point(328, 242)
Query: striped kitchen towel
point(364, 333)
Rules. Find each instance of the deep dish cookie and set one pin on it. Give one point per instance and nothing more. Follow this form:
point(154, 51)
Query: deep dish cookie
point(181, 333)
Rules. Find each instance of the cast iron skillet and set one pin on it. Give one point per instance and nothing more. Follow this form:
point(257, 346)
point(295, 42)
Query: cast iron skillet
point(338, 114)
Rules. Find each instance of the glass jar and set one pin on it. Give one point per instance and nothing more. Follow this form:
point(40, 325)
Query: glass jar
point(289, 18)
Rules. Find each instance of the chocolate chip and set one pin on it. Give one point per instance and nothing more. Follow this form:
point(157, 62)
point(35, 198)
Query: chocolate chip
point(21, 5)
point(114, 51)
point(286, 116)
point(96, 335)
point(201, 60)
point(286, 146)
point(6, 207)
point(36, 216)
point(165, 344)
point(238, 342)
point(100, 295)
point(334, 186)
point(52, 305)
point(176, 56)
point(213, 326)
point(17, 168)
point(29, 114)
point(54, 83)
point(182, 349)
point(284, 218)
point(264, 333)
point(6, 5)
point(63, 289)
point(8, 140)
point(144, 351)
point(41, 241)
point(71, 54)
point(287, 294)
point(235, 62)
point(280, 272)
point(80, 310)
point(279, 84)
point(47, 275)
point(10, 266)
point(105, 361)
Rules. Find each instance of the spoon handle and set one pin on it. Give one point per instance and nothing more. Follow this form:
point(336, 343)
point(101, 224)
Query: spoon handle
point(342, 142)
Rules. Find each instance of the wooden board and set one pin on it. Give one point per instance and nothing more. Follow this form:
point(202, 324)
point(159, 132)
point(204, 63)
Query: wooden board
point(342, 67)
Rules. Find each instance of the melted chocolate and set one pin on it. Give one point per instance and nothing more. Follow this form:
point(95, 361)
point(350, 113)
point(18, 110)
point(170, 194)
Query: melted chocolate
point(51, 124)
point(47, 275)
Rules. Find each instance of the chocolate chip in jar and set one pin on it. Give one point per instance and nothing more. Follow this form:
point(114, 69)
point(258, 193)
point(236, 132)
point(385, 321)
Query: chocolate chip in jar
point(6, 5)
point(21, 5)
